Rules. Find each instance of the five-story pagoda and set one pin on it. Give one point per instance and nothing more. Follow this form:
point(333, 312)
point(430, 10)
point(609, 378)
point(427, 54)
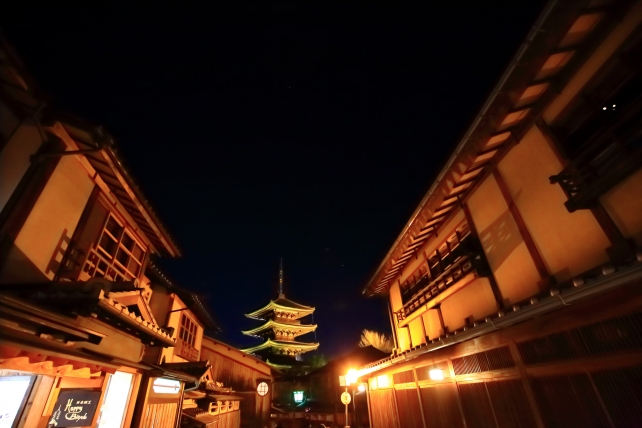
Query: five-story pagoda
point(282, 326)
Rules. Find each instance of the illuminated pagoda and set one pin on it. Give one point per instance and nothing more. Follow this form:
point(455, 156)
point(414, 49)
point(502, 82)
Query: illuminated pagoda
point(282, 326)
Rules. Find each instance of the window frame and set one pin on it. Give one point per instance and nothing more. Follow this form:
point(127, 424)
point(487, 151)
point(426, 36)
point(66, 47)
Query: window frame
point(120, 247)
point(188, 330)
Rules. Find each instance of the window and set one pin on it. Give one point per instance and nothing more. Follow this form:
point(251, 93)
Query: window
point(112, 412)
point(298, 396)
point(13, 393)
point(188, 330)
point(118, 256)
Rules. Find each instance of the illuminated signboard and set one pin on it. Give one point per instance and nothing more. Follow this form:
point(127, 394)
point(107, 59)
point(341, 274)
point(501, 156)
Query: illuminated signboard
point(166, 386)
point(75, 408)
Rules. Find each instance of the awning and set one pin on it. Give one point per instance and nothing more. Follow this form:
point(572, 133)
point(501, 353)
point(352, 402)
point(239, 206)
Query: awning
point(224, 397)
point(185, 372)
point(45, 360)
point(93, 297)
point(19, 316)
point(199, 417)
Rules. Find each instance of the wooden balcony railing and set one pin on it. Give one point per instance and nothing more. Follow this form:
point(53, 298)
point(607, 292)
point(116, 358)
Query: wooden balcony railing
point(185, 350)
point(590, 176)
point(606, 158)
point(468, 257)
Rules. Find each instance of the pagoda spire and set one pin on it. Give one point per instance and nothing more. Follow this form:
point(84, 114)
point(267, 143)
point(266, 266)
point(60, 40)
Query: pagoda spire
point(281, 277)
point(282, 325)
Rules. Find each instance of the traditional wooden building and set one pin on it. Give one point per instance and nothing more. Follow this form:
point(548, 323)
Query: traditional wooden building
point(75, 237)
point(92, 332)
point(250, 378)
point(515, 288)
point(282, 326)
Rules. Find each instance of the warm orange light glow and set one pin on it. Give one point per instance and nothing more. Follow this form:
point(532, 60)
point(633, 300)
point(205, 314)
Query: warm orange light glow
point(436, 374)
point(383, 381)
point(351, 377)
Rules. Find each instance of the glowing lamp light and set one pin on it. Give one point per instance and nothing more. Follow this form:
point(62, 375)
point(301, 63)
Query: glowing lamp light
point(166, 386)
point(362, 388)
point(262, 389)
point(383, 381)
point(436, 373)
point(351, 377)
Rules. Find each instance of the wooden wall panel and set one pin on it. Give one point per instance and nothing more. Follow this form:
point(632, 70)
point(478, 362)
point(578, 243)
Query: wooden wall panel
point(621, 392)
point(382, 406)
point(409, 408)
point(231, 373)
point(14, 156)
point(441, 407)
point(569, 243)
point(505, 249)
point(55, 215)
point(475, 300)
point(159, 416)
point(568, 401)
point(510, 404)
point(476, 405)
point(230, 420)
point(623, 203)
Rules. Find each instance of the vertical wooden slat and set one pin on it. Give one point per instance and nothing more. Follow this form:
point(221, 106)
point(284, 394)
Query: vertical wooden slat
point(621, 392)
point(532, 402)
point(568, 401)
point(452, 377)
point(599, 399)
point(441, 405)
point(409, 405)
point(421, 405)
point(510, 404)
point(476, 403)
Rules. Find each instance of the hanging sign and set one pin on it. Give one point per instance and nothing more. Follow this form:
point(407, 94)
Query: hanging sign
point(75, 408)
point(345, 398)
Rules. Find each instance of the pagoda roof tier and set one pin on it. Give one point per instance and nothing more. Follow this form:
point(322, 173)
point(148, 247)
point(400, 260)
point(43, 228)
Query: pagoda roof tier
point(279, 326)
point(281, 304)
point(283, 347)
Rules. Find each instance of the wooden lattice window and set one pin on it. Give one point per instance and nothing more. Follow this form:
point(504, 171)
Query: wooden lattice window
point(188, 330)
point(117, 256)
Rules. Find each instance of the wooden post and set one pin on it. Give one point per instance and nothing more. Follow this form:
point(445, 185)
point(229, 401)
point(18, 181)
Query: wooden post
point(346, 423)
point(421, 404)
point(454, 381)
point(368, 402)
point(527, 386)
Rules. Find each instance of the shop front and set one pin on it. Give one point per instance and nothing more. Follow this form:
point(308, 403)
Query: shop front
point(61, 369)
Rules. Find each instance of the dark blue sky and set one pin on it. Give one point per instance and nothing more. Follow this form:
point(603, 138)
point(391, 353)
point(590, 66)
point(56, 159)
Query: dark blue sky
point(279, 130)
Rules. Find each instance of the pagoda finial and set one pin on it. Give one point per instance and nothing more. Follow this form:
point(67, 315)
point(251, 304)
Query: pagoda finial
point(281, 277)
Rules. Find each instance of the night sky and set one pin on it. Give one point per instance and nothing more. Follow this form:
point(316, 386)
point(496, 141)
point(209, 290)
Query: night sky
point(265, 131)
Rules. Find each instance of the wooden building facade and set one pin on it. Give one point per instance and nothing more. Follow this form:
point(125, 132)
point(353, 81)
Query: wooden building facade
point(92, 334)
point(243, 373)
point(515, 289)
point(75, 237)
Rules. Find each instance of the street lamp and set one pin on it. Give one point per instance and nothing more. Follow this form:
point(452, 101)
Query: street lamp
point(351, 378)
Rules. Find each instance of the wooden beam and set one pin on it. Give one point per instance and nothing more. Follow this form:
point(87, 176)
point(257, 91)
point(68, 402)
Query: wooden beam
point(546, 279)
point(497, 294)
